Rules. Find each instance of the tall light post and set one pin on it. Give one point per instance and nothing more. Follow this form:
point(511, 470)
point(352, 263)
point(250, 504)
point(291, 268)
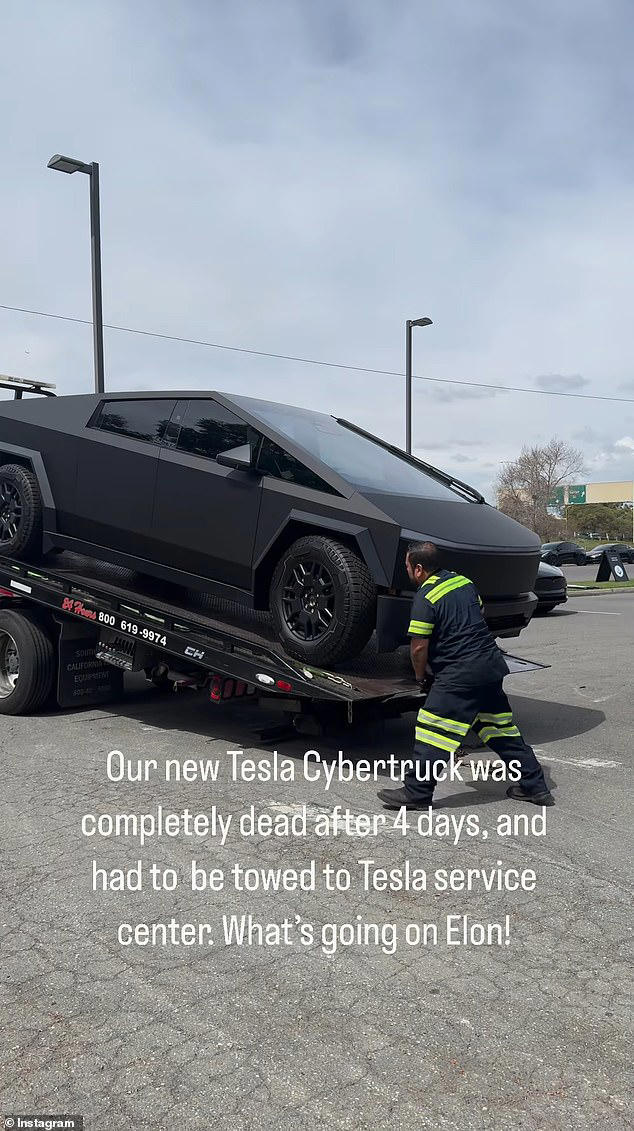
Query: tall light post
point(408, 377)
point(72, 165)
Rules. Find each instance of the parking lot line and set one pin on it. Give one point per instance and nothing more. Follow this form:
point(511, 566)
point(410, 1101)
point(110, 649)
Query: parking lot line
point(598, 613)
point(585, 763)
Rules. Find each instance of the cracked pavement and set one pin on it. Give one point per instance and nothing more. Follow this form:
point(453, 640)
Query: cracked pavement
point(536, 1035)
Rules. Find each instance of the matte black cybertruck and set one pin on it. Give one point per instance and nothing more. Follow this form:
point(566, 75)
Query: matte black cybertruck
point(272, 506)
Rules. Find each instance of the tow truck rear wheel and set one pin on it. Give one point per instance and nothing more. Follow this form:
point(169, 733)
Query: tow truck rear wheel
point(27, 663)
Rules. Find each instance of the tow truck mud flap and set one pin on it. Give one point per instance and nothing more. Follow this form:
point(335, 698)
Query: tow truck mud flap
point(516, 665)
point(82, 679)
point(393, 615)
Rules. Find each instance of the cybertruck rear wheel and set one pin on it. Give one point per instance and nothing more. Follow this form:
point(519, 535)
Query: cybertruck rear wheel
point(323, 601)
point(20, 512)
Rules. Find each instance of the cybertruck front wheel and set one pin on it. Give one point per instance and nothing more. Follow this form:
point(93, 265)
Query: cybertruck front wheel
point(322, 601)
point(20, 512)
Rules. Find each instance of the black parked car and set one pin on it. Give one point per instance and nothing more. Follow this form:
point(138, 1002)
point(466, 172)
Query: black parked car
point(272, 506)
point(563, 553)
point(550, 588)
point(625, 552)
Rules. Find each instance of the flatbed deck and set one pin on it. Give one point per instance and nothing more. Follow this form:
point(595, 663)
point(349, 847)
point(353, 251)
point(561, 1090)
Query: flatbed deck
point(220, 637)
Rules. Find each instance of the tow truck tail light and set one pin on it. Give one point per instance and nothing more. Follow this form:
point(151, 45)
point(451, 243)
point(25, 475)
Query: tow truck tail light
point(225, 687)
point(283, 685)
point(7, 593)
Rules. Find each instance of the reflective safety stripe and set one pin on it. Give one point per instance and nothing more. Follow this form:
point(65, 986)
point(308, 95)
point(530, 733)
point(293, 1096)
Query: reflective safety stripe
point(441, 586)
point(446, 587)
point(442, 724)
point(502, 718)
point(439, 740)
point(420, 628)
point(430, 581)
point(487, 733)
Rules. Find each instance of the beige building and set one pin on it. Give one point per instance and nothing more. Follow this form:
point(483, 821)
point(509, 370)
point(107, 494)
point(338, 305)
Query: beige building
point(610, 492)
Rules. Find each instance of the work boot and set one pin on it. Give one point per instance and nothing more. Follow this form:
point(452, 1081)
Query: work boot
point(545, 797)
point(396, 798)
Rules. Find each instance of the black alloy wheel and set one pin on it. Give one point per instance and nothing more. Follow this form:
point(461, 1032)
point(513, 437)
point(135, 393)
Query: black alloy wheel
point(21, 512)
point(322, 601)
point(308, 600)
point(11, 511)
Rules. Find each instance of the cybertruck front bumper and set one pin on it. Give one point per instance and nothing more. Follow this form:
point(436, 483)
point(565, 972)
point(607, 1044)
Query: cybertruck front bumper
point(505, 617)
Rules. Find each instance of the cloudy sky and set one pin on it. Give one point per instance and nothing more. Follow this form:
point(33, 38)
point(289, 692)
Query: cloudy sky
point(300, 176)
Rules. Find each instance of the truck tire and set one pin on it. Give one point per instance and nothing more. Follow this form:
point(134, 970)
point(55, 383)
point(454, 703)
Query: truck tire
point(322, 601)
point(27, 663)
point(20, 512)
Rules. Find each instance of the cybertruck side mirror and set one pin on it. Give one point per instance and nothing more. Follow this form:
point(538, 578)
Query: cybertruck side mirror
point(240, 458)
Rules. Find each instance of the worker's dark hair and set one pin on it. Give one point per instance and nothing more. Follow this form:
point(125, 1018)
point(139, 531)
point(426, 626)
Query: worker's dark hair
point(424, 554)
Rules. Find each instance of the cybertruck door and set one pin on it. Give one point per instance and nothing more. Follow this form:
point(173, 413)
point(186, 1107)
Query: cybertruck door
point(116, 474)
point(205, 515)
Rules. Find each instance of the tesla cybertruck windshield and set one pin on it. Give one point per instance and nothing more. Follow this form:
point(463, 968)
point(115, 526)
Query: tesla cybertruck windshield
point(361, 461)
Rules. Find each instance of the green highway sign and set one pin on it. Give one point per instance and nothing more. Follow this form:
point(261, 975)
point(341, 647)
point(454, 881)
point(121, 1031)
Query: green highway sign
point(557, 497)
point(577, 494)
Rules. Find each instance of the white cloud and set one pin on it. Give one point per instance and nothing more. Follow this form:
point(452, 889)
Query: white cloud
point(302, 178)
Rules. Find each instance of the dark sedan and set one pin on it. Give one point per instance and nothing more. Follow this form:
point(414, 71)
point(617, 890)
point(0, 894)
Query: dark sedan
point(625, 552)
point(550, 588)
point(563, 553)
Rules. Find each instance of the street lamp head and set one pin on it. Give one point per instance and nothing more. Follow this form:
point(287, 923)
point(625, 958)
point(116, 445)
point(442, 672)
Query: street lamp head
point(68, 164)
point(421, 322)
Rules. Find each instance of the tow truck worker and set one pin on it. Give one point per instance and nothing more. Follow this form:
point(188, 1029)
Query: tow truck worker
point(448, 630)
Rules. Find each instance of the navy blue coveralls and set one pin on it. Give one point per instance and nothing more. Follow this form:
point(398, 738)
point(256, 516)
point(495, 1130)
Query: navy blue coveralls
point(467, 691)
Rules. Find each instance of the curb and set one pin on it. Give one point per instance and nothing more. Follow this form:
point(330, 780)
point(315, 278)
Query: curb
point(574, 592)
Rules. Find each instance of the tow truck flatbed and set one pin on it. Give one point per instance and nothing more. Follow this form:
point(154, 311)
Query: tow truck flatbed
point(131, 619)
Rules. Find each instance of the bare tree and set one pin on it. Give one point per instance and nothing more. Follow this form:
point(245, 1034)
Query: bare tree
point(525, 485)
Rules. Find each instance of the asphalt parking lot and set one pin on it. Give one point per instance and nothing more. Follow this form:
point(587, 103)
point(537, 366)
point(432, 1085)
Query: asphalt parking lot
point(533, 1035)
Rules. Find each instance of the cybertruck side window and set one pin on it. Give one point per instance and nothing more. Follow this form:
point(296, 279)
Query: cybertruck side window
point(139, 420)
point(208, 429)
point(274, 461)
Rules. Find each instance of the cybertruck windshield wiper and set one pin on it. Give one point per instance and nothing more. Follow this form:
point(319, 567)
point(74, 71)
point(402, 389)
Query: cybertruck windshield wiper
point(434, 472)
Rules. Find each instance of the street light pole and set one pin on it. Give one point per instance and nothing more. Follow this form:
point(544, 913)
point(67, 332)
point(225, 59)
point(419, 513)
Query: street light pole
point(408, 377)
point(408, 387)
point(95, 254)
point(72, 165)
